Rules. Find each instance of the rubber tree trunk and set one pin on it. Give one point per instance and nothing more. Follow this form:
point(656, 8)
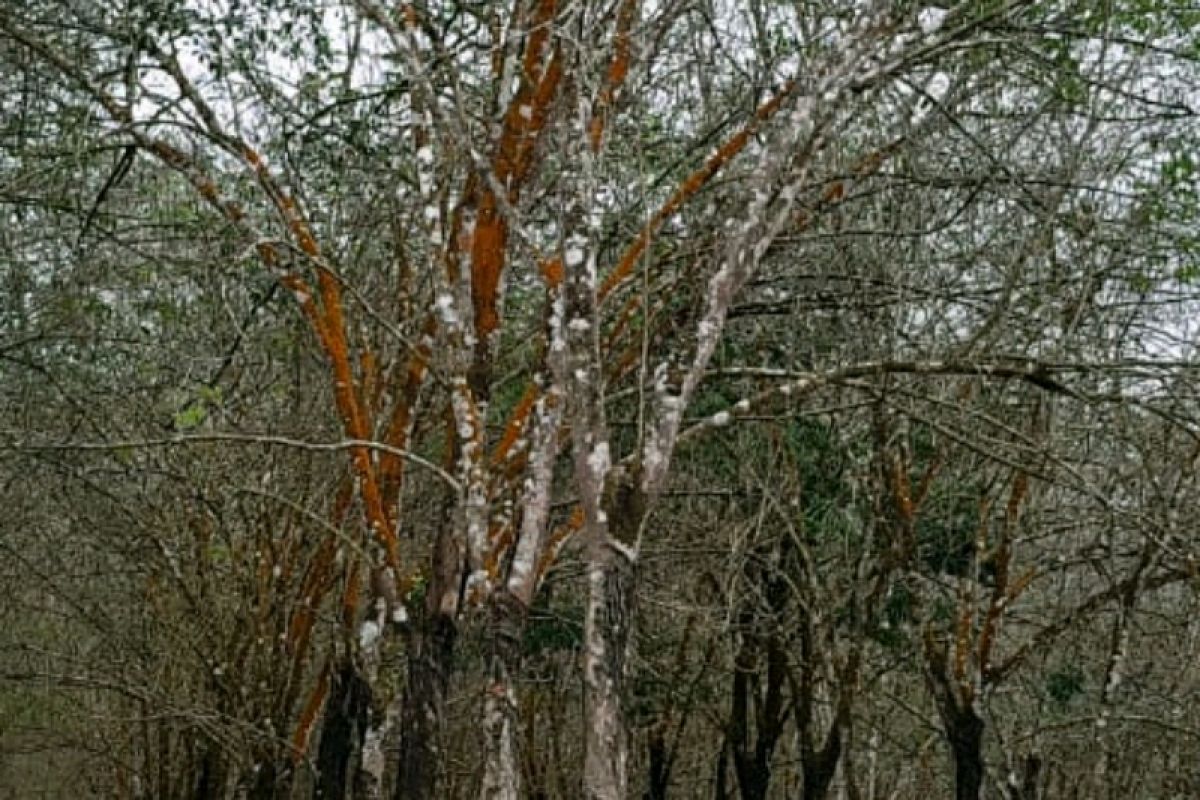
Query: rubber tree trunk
point(501, 776)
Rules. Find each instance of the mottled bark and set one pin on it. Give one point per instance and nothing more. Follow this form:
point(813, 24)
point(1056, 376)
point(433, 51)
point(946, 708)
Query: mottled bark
point(385, 669)
point(501, 776)
point(606, 638)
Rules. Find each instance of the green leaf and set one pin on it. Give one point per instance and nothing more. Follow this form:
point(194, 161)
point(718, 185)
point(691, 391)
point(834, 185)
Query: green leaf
point(190, 417)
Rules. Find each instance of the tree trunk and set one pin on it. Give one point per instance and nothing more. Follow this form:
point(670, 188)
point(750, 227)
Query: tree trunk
point(1025, 786)
point(820, 767)
point(431, 650)
point(379, 765)
point(964, 729)
point(342, 732)
point(962, 724)
point(752, 762)
point(659, 763)
point(270, 781)
point(606, 638)
point(501, 776)
point(211, 773)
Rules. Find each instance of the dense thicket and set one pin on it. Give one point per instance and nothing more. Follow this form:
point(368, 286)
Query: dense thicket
point(570, 398)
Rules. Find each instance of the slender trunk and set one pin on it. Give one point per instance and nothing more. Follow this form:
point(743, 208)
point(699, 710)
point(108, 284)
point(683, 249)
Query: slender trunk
point(211, 774)
point(606, 638)
point(272, 781)
point(431, 650)
point(379, 766)
point(753, 763)
point(961, 723)
point(660, 762)
point(964, 729)
point(1025, 786)
point(342, 732)
point(501, 777)
point(721, 791)
point(753, 785)
point(164, 759)
point(821, 766)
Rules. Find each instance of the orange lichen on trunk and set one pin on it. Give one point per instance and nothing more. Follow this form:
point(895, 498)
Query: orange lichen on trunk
point(552, 272)
point(500, 537)
point(354, 418)
point(317, 579)
point(512, 161)
point(1004, 591)
point(535, 115)
point(523, 120)
point(487, 261)
point(308, 717)
point(313, 588)
point(329, 325)
point(557, 539)
point(391, 465)
point(618, 69)
point(693, 184)
point(515, 425)
point(901, 491)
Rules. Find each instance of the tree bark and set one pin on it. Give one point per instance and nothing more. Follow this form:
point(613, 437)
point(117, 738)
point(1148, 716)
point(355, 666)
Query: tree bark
point(606, 638)
point(821, 766)
point(659, 763)
point(964, 729)
point(431, 651)
point(501, 775)
point(960, 721)
point(210, 780)
point(752, 762)
point(342, 732)
point(1025, 786)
